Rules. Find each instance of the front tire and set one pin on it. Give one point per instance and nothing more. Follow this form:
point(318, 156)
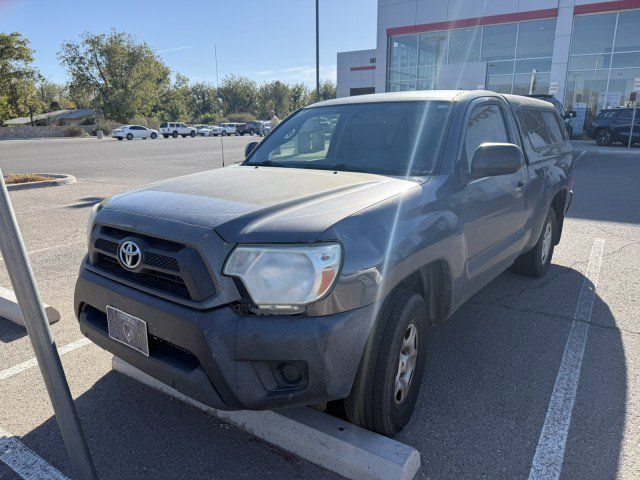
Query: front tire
point(224, 134)
point(535, 262)
point(129, 136)
point(174, 134)
point(165, 135)
point(154, 136)
point(387, 384)
point(192, 134)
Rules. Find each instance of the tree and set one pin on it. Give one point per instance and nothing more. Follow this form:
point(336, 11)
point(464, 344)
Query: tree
point(327, 90)
point(54, 96)
point(202, 100)
point(238, 94)
point(174, 103)
point(274, 96)
point(121, 77)
point(299, 96)
point(17, 77)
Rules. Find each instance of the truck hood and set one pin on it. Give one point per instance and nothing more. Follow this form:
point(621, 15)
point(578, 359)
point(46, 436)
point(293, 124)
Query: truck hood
point(266, 204)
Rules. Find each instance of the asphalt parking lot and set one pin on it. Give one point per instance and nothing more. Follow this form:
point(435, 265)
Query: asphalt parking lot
point(491, 369)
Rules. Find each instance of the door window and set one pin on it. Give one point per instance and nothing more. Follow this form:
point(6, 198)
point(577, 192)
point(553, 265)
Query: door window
point(541, 127)
point(486, 124)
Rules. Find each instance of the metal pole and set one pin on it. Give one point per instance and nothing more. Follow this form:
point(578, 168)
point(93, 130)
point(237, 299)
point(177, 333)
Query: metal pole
point(317, 51)
point(633, 122)
point(35, 319)
point(215, 53)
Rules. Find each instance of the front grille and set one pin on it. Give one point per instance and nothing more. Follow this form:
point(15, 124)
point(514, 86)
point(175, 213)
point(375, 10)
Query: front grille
point(167, 267)
point(161, 261)
point(163, 282)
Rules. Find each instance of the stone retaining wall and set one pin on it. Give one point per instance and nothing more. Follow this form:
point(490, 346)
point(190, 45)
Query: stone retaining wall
point(7, 133)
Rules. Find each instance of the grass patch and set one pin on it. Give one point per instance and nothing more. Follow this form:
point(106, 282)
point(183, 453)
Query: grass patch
point(24, 178)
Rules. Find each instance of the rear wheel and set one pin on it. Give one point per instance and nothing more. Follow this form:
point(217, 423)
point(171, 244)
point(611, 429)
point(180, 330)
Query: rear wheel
point(154, 135)
point(224, 133)
point(192, 134)
point(535, 262)
point(604, 137)
point(165, 135)
point(119, 138)
point(387, 384)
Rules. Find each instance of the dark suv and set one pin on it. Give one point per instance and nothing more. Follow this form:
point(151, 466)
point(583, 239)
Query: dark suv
point(614, 125)
point(312, 271)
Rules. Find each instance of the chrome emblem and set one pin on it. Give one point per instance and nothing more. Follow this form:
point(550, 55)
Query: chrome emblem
point(130, 255)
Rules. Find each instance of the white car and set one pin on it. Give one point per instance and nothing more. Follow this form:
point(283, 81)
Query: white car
point(228, 129)
point(174, 129)
point(134, 131)
point(215, 130)
point(267, 126)
point(204, 130)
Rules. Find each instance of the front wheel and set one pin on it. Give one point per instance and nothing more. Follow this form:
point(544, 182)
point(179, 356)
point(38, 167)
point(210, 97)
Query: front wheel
point(154, 136)
point(535, 262)
point(387, 384)
point(165, 135)
point(192, 134)
point(129, 136)
point(604, 137)
point(174, 134)
point(224, 134)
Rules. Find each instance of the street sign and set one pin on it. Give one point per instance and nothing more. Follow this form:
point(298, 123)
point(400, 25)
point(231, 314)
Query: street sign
point(553, 88)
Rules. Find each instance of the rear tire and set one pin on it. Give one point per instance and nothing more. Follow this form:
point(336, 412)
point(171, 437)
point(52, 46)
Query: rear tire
point(387, 383)
point(119, 138)
point(604, 137)
point(165, 135)
point(535, 262)
point(192, 134)
point(224, 134)
point(154, 136)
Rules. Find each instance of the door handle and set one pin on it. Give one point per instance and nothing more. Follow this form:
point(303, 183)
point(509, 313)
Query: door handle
point(521, 185)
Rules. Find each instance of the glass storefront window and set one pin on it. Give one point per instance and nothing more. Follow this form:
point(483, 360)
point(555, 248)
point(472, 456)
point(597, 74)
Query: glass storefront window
point(589, 62)
point(593, 33)
point(499, 68)
point(522, 83)
point(623, 60)
point(432, 48)
point(499, 83)
point(621, 85)
point(628, 32)
point(404, 51)
point(538, 64)
point(464, 45)
point(499, 41)
point(535, 38)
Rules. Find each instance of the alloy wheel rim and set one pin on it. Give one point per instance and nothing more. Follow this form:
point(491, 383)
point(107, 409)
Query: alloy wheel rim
point(546, 242)
point(407, 361)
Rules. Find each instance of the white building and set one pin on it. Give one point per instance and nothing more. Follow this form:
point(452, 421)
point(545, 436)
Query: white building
point(356, 73)
point(586, 53)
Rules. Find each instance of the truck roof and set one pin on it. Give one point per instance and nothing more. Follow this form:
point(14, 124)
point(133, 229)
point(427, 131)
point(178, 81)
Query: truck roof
point(436, 95)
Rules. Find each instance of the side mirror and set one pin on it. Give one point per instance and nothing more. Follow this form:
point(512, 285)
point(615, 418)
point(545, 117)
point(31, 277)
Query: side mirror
point(250, 148)
point(493, 159)
point(570, 114)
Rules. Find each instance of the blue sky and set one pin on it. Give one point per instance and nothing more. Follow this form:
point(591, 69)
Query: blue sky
point(264, 40)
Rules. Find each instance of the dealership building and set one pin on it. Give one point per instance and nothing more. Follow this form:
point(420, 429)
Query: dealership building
point(585, 53)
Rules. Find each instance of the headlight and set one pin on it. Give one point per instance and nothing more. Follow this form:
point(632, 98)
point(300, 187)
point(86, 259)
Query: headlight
point(284, 278)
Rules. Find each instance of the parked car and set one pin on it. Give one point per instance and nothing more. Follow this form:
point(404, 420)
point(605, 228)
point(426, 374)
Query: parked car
point(256, 127)
point(310, 274)
point(566, 115)
point(242, 129)
point(134, 131)
point(228, 129)
point(266, 125)
point(174, 129)
point(204, 130)
point(614, 125)
point(215, 130)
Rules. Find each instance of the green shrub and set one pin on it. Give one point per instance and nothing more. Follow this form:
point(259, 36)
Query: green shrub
point(74, 131)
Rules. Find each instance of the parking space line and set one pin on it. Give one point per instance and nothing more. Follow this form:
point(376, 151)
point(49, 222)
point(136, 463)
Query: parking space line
point(32, 362)
point(547, 462)
point(27, 464)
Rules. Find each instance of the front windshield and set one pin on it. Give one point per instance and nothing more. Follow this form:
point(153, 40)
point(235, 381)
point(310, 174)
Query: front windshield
point(392, 138)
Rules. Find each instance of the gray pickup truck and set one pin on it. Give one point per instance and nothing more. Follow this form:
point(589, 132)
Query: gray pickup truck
point(311, 272)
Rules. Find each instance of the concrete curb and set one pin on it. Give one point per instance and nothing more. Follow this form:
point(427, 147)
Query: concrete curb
point(10, 309)
point(605, 151)
point(319, 438)
point(56, 179)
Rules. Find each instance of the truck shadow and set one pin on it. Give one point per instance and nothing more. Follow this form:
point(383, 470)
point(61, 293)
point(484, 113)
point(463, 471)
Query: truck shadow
point(491, 371)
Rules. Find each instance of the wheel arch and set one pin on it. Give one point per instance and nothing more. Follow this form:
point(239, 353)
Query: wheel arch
point(558, 204)
point(434, 283)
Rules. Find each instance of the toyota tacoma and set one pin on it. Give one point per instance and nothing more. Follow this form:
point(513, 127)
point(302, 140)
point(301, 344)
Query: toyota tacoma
point(312, 271)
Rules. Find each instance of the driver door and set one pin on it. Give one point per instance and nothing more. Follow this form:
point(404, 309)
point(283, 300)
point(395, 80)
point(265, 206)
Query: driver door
point(494, 207)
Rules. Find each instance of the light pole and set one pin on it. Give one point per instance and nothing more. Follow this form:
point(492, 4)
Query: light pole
point(317, 51)
point(215, 54)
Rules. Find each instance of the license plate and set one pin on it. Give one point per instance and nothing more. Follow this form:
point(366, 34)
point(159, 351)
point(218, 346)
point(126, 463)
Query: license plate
point(128, 329)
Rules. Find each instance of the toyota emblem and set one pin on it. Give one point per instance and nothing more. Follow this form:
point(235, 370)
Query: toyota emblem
point(130, 255)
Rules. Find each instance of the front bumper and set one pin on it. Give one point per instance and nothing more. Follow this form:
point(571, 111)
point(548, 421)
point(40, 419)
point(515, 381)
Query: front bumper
point(227, 360)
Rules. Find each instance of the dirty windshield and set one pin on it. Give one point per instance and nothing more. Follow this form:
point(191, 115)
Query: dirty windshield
point(392, 138)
